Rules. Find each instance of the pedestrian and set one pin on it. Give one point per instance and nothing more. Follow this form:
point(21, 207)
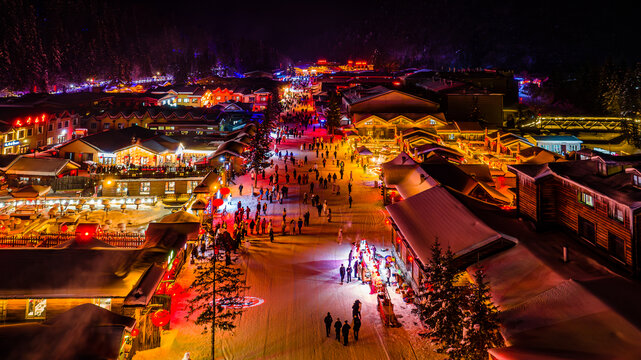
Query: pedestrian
point(388, 273)
point(252, 224)
point(271, 234)
point(356, 264)
point(339, 239)
point(345, 329)
point(329, 215)
point(263, 225)
point(265, 209)
point(328, 323)
point(356, 309)
point(349, 258)
point(240, 189)
point(349, 273)
point(357, 327)
point(342, 272)
point(300, 226)
point(337, 327)
point(349, 199)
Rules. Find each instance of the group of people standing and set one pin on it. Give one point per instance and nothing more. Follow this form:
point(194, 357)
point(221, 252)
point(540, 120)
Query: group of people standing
point(343, 328)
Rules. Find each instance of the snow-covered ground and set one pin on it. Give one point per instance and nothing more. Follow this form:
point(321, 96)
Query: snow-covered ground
point(298, 278)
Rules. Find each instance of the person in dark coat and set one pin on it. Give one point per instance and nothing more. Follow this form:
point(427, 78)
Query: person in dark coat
point(345, 329)
point(356, 309)
point(356, 268)
point(342, 272)
point(337, 327)
point(328, 323)
point(349, 273)
point(357, 327)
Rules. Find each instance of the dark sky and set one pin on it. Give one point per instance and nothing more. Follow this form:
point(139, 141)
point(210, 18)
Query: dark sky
point(569, 30)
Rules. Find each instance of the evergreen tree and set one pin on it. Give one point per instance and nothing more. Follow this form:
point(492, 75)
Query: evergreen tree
point(222, 281)
point(440, 305)
point(611, 90)
point(333, 115)
point(481, 323)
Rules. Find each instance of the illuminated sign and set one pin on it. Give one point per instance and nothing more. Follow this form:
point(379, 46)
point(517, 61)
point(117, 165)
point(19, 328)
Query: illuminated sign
point(12, 143)
point(30, 121)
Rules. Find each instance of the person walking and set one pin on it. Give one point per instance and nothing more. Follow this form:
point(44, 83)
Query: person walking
point(346, 329)
point(342, 272)
point(356, 309)
point(328, 323)
point(339, 239)
point(263, 225)
point(388, 273)
point(300, 226)
point(271, 234)
point(349, 273)
point(356, 264)
point(349, 199)
point(329, 215)
point(337, 328)
point(357, 327)
point(240, 189)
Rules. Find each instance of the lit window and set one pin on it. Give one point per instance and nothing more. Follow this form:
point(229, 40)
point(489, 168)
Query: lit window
point(36, 309)
point(586, 199)
point(122, 188)
point(636, 179)
point(615, 212)
point(170, 187)
point(106, 126)
point(191, 185)
point(145, 188)
point(104, 303)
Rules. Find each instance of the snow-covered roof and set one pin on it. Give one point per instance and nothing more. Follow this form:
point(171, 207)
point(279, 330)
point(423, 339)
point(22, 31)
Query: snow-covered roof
point(435, 213)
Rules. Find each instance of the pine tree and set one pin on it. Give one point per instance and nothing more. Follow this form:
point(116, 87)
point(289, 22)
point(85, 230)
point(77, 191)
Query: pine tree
point(441, 302)
point(333, 115)
point(222, 281)
point(481, 323)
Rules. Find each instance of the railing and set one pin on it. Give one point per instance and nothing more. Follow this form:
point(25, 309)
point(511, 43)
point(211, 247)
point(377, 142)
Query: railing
point(120, 240)
point(150, 173)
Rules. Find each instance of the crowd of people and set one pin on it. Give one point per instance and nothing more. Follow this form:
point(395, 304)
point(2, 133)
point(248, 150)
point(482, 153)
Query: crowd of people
point(343, 328)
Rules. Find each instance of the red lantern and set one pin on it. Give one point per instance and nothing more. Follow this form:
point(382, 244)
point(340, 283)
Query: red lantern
point(217, 202)
point(135, 332)
point(174, 289)
point(224, 191)
point(160, 318)
point(64, 228)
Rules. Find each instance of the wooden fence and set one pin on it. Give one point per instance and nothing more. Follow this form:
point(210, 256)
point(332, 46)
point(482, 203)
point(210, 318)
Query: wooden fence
point(120, 240)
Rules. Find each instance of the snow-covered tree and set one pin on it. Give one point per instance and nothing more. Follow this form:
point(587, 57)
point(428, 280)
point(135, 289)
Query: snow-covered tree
point(441, 301)
point(481, 323)
point(220, 282)
point(257, 154)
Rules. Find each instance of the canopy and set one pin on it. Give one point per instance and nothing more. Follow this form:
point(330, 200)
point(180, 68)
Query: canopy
point(31, 191)
point(198, 205)
point(362, 150)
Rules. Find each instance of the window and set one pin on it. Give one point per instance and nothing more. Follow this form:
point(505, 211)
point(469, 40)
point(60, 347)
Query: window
point(75, 121)
point(170, 187)
point(122, 188)
point(432, 122)
point(104, 303)
point(9, 137)
point(121, 126)
point(603, 168)
point(615, 212)
point(36, 309)
point(50, 127)
point(3, 310)
point(50, 140)
point(93, 125)
point(636, 180)
point(616, 246)
point(106, 126)
point(29, 132)
point(586, 199)
point(20, 134)
point(145, 188)
point(66, 123)
point(191, 185)
point(587, 230)
point(59, 124)
point(41, 129)
point(194, 101)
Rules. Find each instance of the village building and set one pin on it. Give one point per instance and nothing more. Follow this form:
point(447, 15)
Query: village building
point(380, 113)
point(597, 199)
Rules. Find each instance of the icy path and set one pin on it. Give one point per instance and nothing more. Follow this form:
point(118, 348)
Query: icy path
point(298, 278)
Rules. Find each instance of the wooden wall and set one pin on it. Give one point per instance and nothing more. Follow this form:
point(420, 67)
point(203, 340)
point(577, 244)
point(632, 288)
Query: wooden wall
point(569, 209)
point(16, 309)
point(527, 197)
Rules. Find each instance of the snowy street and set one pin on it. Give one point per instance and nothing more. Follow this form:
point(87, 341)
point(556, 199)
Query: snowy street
point(298, 278)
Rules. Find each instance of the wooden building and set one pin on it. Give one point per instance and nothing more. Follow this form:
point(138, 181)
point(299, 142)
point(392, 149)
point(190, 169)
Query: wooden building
point(598, 200)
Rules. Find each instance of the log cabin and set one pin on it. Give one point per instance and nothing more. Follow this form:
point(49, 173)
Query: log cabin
point(598, 199)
